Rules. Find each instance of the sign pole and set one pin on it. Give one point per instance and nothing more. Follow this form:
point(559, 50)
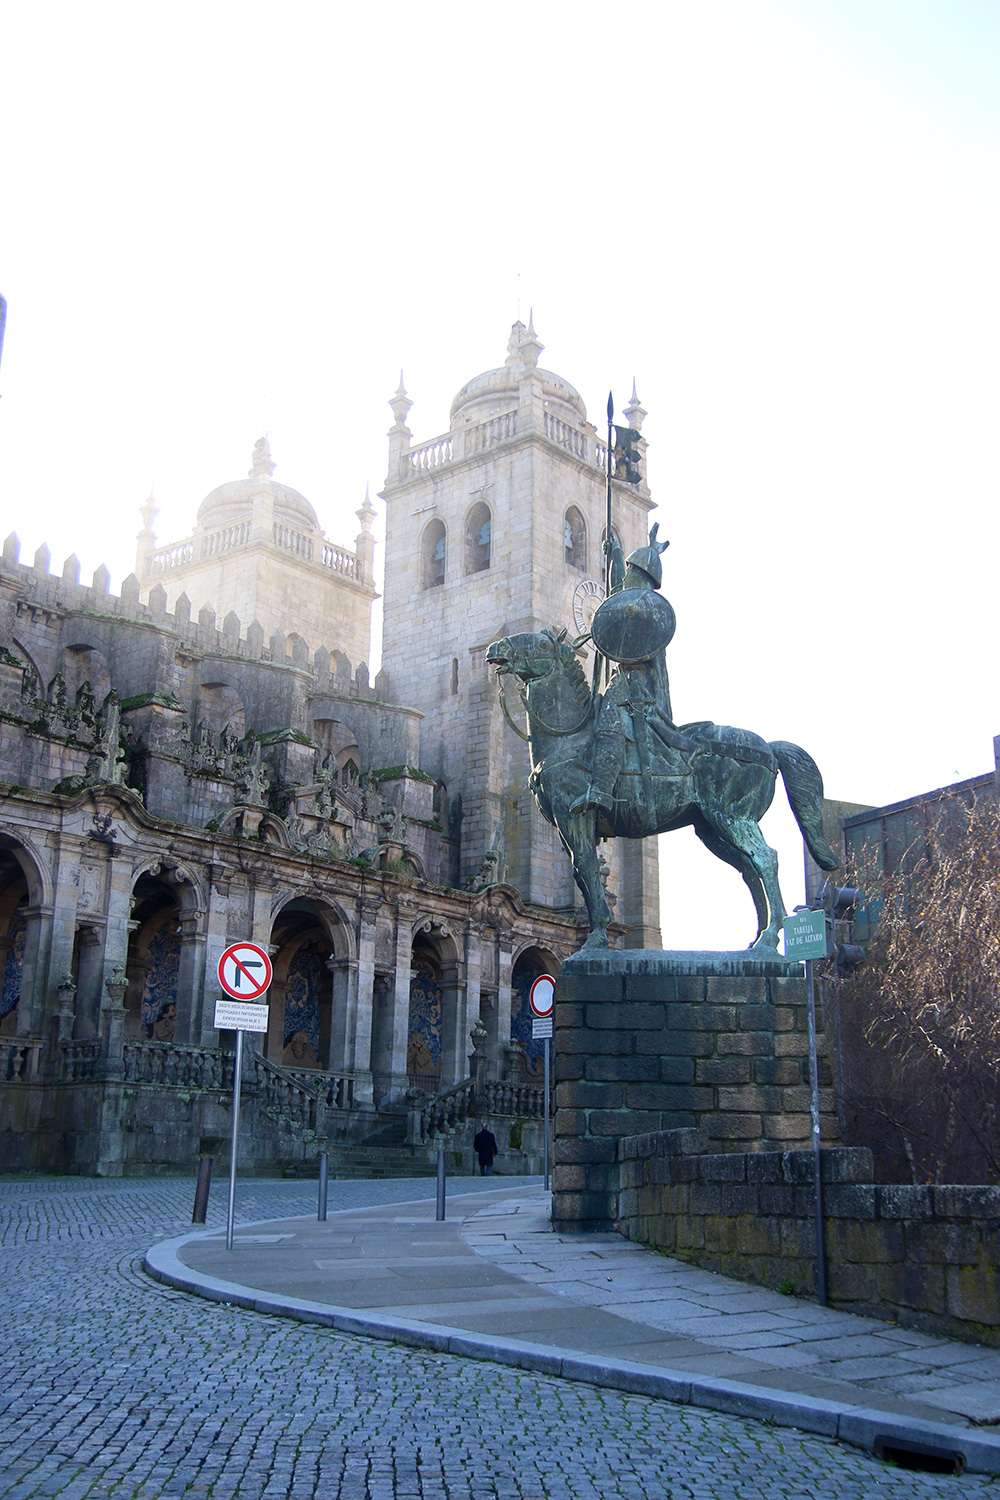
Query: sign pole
point(244, 975)
point(814, 1123)
point(806, 938)
point(237, 1078)
point(541, 999)
point(547, 1045)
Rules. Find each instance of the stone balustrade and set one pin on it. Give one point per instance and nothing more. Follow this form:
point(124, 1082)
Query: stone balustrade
point(169, 1065)
point(80, 1061)
point(177, 555)
point(281, 1095)
point(471, 1101)
point(336, 1090)
point(226, 539)
point(340, 560)
point(20, 1060)
point(499, 429)
point(430, 455)
point(568, 437)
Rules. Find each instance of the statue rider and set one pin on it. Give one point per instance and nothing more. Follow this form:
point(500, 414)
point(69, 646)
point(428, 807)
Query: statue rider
point(635, 634)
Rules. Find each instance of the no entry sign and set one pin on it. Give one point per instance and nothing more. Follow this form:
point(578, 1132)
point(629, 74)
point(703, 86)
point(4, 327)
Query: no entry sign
point(542, 995)
point(244, 971)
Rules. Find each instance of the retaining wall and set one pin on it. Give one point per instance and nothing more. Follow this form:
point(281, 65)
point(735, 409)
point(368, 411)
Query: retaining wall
point(923, 1256)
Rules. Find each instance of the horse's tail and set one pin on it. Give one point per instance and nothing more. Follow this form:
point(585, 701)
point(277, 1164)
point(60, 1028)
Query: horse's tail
point(804, 786)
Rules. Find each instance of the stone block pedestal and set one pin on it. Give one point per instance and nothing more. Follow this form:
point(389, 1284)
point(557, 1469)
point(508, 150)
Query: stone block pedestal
point(648, 1041)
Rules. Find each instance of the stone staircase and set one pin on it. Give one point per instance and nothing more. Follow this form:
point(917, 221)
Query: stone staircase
point(376, 1160)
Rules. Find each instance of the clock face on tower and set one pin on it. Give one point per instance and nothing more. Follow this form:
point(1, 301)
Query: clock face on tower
point(586, 597)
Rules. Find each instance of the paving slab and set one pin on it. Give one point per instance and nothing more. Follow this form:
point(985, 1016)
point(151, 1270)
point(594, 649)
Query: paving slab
point(399, 1274)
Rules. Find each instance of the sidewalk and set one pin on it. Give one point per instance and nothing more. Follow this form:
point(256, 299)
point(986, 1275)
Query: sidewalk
point(494, 1282)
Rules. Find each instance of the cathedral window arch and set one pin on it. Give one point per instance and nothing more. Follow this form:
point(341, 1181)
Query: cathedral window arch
point(220, 708)
point(575, 539)
point(478, 538)
point(434, 550)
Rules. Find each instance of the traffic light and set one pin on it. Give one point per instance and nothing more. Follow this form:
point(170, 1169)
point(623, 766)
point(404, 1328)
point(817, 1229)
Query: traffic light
point(841, 903)
point(849, 958)
point(627, 455)
point(845, 901)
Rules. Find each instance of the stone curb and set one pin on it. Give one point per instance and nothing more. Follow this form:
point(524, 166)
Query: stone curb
point(861, 1426)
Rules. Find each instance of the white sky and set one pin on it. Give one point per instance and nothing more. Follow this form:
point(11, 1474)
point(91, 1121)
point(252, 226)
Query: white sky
point(781, 217)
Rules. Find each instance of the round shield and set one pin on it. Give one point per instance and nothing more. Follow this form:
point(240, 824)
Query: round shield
point(633, 625)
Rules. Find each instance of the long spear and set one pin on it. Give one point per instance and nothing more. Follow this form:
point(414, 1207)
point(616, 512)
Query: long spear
point(607, 533)
point(607, 555)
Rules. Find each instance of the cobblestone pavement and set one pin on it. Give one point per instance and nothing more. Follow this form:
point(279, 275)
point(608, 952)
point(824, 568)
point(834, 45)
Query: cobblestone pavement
point(611, 1273)
point(114, 1386)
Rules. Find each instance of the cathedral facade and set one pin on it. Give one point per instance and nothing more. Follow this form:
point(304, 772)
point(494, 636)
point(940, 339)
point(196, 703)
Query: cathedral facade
point(206, 758)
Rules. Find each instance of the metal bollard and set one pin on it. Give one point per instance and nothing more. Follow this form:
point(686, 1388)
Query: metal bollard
point(441, 1184)
point(201, 1190)
point(324, 1177)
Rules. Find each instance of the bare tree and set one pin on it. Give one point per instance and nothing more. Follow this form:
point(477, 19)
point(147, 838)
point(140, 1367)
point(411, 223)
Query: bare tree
point(920, 1023)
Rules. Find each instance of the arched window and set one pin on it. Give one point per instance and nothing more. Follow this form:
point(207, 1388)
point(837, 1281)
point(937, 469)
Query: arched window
point(575, 539)
point(478, 538)
point(337, 741)
point(219, 708)
point(434, 549)
point(85, 664)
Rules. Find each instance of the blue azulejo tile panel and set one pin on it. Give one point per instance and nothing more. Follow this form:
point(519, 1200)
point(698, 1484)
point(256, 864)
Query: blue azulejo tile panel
point(423, 1052)
point(14, 963)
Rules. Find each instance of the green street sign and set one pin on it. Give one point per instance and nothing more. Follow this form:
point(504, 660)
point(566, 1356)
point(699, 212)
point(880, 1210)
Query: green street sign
point(805, 935)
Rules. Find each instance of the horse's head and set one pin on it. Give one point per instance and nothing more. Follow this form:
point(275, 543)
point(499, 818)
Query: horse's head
point(528, 656)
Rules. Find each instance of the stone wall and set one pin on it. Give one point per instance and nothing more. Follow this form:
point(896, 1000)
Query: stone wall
point(661, 1041)
point(921, 1256)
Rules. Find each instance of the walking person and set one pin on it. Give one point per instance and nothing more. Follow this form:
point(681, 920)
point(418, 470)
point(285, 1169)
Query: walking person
point(486, 1148)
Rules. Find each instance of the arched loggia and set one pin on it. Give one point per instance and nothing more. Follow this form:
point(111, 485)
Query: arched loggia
point(313, 992)
point(528, 965)
point(25, 925)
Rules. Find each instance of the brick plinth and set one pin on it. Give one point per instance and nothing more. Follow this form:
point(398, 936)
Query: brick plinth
point(648, 1041)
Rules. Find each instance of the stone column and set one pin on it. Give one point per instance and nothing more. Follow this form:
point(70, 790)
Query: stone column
point(350, 1041)
point(396, 1057)
point(111, 1074)
point(381, 1045)
point(274, 1048)
point(504, 1000)
point(62, 932)
point(31, 1005)
point(62, 1026)
point(474, 1003)
point(455, 1022)
point(89, 981)
point(191, 967)
point(118, 927)
point(203, 1031)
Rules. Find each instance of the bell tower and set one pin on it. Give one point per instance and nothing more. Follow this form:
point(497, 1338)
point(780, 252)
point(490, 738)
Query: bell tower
point(493, 527)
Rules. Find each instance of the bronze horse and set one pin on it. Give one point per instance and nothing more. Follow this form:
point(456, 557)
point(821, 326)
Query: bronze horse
point(722, 791)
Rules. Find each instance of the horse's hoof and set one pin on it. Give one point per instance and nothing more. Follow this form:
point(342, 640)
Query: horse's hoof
point(597, 940)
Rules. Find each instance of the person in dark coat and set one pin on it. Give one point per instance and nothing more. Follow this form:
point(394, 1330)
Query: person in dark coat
point(486, 1148)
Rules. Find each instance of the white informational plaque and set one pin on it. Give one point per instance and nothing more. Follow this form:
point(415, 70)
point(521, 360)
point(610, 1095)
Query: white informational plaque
point(240, 1015)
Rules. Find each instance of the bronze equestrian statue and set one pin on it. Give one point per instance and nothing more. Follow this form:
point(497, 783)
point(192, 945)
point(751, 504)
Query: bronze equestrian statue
point(615, 765)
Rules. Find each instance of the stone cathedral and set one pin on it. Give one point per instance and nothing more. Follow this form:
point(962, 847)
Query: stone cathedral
point(206, 758)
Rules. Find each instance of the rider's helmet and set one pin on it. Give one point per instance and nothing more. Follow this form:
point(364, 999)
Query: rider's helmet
point(647, 559)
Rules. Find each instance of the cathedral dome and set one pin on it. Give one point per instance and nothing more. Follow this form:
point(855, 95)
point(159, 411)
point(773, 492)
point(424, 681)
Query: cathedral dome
point(480, 397)
point(234, 501)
